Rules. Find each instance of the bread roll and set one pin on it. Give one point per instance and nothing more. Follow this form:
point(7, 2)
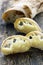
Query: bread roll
point(26, 25)
point(36, 39)
point(15, 44)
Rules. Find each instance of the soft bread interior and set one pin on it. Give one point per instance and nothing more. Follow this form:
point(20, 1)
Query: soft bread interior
point(11, 15)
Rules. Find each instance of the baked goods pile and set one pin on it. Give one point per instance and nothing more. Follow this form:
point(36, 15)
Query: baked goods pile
point(19, 15)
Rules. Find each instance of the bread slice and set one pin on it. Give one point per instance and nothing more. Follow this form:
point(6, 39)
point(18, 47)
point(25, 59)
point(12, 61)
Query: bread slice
point(15, 44)
point(22, 8)
point(11, 14)
point(26, 25)
point(36, 39)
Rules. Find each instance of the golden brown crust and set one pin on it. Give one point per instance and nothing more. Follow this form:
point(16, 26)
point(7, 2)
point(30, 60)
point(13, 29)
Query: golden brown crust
point(37, 39)
point(34, 33)
point(27, 26)
point(17, 43)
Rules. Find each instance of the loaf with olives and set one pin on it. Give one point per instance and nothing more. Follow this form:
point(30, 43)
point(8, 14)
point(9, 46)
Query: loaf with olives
point(15, 44)
point(36, 39)
point(26, 25)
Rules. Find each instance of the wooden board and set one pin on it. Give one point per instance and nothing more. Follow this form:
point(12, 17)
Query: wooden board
point(32, 57)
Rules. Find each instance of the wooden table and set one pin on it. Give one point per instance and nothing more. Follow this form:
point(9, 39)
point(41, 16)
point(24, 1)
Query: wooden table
point(32, 57)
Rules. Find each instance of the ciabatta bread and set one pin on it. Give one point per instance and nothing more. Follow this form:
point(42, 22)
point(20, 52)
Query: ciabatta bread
point(22, 8)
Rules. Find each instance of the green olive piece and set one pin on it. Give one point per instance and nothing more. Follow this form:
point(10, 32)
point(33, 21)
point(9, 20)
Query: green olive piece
point(14, 40)
point(30, 37)
point(21, 23)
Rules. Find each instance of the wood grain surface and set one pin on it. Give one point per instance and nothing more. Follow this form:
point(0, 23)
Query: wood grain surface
point(32, 57)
